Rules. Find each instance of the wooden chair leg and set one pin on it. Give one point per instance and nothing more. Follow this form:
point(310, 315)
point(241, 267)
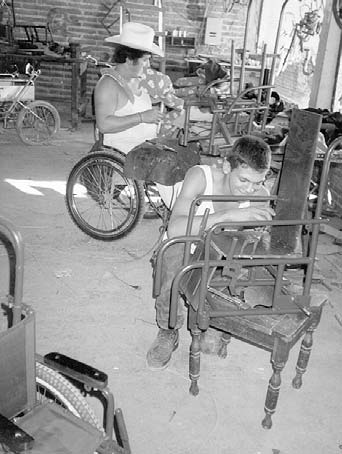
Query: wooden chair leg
point(279, 357)
point(305, 349)
point(303, 359)
point(194, 360)
point(225, 340)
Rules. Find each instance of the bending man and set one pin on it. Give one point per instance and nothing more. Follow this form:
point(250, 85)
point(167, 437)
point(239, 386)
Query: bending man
point(243, 174)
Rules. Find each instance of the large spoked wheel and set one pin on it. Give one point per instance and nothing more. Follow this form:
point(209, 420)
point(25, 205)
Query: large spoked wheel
point(101, 200)
point(37, 122)
point(337, 10)
point(52, 386)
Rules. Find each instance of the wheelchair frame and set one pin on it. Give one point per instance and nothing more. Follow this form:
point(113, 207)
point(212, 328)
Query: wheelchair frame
point(19, 405)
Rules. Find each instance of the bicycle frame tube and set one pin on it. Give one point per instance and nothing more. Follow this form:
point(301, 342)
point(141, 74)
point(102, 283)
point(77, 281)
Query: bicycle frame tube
point(17, 98)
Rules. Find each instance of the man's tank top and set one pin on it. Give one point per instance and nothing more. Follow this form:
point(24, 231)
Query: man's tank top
point(130, 138)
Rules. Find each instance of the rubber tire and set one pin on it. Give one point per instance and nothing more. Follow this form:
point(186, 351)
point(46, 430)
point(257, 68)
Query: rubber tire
point(21, 120)
point(335, 9)
point(116, 160)
point(63, 393)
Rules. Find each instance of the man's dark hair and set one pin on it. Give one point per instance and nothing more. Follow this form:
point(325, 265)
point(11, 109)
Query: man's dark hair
point(275, 95)
point(250, 151)
point(121, 54)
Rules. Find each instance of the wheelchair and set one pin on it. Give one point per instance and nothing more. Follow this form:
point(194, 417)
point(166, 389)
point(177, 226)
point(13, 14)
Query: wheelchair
point(43, 408)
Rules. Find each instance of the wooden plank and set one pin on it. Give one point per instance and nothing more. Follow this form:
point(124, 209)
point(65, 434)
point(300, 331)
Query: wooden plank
point(294, 184)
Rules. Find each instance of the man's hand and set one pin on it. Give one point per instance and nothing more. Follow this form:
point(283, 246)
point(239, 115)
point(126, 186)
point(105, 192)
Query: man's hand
point(248, 214)
point(151, 116)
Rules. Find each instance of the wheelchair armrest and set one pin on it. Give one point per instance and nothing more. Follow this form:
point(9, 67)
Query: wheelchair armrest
point(12, 436)
point(77, 370)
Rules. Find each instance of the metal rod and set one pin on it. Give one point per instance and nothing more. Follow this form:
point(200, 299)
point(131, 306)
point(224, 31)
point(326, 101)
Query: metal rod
point(276, 43)
point(12, 234)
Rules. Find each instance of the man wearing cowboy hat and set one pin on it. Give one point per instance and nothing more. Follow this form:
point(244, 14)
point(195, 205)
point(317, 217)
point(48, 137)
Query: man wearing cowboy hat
point(123, 109)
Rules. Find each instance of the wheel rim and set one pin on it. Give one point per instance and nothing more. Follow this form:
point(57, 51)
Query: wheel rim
point(53, 387)
point(103, 199)
point(46, 393)
point(38, 124)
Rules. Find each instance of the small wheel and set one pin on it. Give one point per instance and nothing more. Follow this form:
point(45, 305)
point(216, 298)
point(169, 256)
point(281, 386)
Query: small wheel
point(37, 122)
point(100, 199)
point(52, 386)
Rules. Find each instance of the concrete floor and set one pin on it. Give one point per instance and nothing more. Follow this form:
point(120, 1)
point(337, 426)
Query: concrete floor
point(93, 301)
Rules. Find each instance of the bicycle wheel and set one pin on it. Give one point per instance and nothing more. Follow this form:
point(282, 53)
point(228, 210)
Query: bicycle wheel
point(37, 122)
point(337, 10)
point(54, 387)
point(100, 199)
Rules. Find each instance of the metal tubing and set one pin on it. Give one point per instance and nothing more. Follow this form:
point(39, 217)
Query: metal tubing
point(325, 174)
point(215, 263)
point(232, 68)
point(160, 256)
point(184, 140)
point(276, 43)
point(243, 61)
point(122, 430)
point(13, 235)
point(315, 229)
point(109, 412)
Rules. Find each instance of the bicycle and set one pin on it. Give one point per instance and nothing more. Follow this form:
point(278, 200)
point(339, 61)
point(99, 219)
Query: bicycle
point(35, 121)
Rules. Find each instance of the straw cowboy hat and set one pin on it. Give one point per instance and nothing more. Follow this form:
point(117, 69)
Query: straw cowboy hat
point(136, 36)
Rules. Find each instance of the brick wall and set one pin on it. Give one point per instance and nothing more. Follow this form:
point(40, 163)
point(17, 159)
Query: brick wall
point(89, 22)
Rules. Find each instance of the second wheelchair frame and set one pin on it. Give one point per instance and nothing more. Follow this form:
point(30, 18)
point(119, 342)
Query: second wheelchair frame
point(41, 395)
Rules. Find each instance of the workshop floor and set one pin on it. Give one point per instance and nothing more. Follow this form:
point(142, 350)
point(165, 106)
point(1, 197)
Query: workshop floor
point(93, 301)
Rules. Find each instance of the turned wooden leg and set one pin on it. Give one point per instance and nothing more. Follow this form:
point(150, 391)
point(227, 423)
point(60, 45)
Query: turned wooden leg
point(272, 396)
point(225, 339)
point(194, 360)
point(279, 358)
point(303, 359)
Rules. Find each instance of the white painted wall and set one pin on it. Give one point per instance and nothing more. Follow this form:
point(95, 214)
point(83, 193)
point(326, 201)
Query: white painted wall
point(289, 47)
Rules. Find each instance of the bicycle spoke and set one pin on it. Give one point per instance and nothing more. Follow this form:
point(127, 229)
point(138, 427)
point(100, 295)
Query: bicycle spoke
point(109, 204)
point(37, 122)
point(112, 198)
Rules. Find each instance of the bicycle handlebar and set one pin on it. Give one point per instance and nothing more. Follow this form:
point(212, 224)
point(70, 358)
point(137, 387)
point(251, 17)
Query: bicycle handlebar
point(97, 62)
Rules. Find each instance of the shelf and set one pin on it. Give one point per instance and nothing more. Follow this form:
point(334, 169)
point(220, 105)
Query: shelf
point(180, 41)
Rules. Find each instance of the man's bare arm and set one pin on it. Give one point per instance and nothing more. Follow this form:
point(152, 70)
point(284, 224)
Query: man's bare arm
point(108, 95)
point(194, 185)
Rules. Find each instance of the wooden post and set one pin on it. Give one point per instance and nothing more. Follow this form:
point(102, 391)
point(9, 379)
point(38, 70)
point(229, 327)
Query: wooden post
point(75, 82)
point(294, 185)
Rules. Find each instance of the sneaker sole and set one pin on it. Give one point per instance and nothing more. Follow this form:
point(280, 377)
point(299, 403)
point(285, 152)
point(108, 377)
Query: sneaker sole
point(165, 365)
